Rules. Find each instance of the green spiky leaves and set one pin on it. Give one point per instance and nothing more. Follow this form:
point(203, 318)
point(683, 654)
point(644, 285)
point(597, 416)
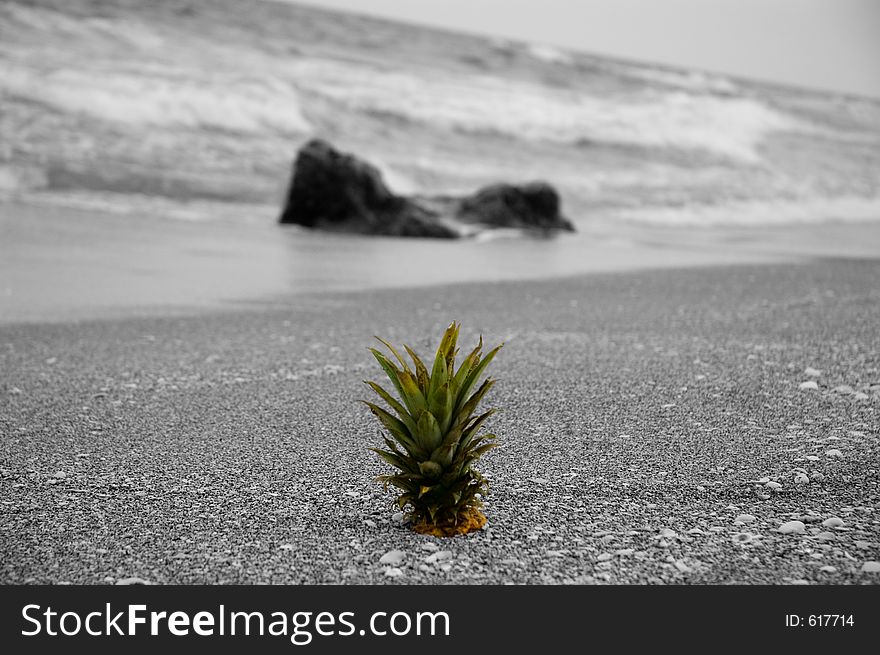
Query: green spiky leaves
point(433, 431)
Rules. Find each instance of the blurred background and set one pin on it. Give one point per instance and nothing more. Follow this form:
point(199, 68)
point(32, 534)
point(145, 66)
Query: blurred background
point(185, 112)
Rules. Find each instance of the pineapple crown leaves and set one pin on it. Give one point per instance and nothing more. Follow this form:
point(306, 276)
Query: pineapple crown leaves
point(432, 423)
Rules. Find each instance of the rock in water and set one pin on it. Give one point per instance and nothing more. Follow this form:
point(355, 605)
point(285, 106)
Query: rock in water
point(534, 205)
point(335, 191)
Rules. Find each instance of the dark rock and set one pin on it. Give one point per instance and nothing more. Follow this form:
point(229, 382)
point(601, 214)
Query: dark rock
point(335, 191)
point(534, 205)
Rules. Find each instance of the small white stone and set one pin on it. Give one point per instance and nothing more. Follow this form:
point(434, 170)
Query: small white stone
point(439, 556)
point(801, 478)
point(811, 372)
point(133, 581)
point(393, 572)
point(792, 527)
point(369, 523)
point(429, 546)
point(864, 545)
point(871, 567)
point(59, 474)
point(744, 518)
point(539, 480)
point(604, 557)
point(828, 569)
point(809, 385)
point(833, 453)
point(844, 389)
point(775, 486)
point(398, 517)
point(392, 557)
point(818, 477)
point(858, 395)
point(833, 522)
point(668, 533)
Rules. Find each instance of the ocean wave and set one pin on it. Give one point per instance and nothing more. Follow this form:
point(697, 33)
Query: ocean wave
point(731, 127)
point(811, 210)
point(164, 99)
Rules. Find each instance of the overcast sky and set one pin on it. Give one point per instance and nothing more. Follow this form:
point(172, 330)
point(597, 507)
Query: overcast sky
point(827, 44)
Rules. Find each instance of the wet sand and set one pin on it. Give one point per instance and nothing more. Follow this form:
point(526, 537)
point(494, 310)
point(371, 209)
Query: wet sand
point(62, 263)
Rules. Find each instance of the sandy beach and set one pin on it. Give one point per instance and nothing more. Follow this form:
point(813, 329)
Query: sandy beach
point(643, 414)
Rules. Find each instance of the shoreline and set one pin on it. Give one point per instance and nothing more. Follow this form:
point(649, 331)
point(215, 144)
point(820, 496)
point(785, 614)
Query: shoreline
point(67, 265)
point(639, 410)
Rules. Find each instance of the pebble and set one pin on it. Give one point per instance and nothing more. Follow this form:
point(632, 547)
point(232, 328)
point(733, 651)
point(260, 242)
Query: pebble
point(745, 537)
point(744, 518)
point(604, 557)
point(429, 546)
point(828, 569)
point(439, 556)
point(446, 567)
point(864, 545)
point(843, 388)
point(792, 527)
point(392, 557)
point(668, 533)
point(833, 453)
point(871, 567)
point(59, 474)
point(801, 478)
point(624, 551)
point(809, 385)
point(775, 486)
point(393, 572)
point(826, 536)
point(369, 523)
point(398, 517)
point(818, 477)
point(539, 480)
point(833, 522)
point(858, 395)
point(811, 372)
point(133, 581)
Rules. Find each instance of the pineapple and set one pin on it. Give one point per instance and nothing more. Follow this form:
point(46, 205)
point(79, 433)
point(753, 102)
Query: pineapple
point(434, 438)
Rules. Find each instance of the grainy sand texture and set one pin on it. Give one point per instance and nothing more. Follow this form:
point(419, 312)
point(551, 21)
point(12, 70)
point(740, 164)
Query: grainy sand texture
point(711, 425)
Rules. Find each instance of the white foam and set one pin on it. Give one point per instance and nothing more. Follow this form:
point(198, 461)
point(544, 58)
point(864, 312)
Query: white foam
point(163, 99)
point(732, 127)
point(686, 80)
point(810, 210)
point(549, 53)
